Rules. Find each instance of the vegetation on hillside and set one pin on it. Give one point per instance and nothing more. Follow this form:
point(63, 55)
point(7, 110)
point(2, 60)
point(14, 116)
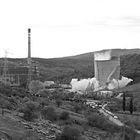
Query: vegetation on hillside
point(81, 66)
point(70, 115)
point(76, 120)
point(130, 67)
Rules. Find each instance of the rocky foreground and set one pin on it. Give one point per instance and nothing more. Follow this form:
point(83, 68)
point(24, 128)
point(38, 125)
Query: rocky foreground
point(13, 127)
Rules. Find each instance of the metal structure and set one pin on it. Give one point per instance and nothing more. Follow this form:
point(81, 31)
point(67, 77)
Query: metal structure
point(19, 74)
point(5, 69)
point(5, 76)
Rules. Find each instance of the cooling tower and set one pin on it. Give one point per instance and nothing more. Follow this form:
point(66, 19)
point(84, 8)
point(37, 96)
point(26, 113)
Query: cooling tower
point(106, 66)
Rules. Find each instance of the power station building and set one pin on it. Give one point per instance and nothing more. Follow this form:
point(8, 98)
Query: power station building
point(106, 66)
point(16, 74)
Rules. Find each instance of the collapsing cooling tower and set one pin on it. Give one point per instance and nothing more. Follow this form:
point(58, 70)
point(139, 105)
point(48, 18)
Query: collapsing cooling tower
point(107, 66)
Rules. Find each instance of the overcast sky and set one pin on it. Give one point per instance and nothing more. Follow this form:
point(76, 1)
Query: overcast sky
point(68, 27)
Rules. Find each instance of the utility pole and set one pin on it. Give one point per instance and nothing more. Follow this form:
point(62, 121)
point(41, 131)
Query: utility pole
point(6, 78)
point(5, 68)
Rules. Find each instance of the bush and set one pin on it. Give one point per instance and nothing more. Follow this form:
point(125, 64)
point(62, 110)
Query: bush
point(29, 109)
point(78, 120)
point(99, 121)
point(14, 102)
point(58, 102)
point(6, 104)
point(95, 120)
point(43, 102)
point(5, 89)
point(77, 108)
point(25, 99)
point(49, 113)
point(137, 104)
point(115, 105)
point(69, 133)
point(20, 92)
point(64, 115)
point(45, 93)
point(133, 123)
point(129, 133)
point(117, 136)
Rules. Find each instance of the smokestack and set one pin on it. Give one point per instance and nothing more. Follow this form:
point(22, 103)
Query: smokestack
point(29, 59)
point(29, 43)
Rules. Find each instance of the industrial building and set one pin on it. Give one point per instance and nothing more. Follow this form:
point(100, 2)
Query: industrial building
point(15, 74)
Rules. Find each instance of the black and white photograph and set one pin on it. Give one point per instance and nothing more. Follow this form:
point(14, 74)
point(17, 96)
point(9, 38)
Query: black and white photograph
point(70, 70)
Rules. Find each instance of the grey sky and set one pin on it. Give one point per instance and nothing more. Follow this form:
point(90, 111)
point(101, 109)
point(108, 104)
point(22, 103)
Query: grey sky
point(63, 28)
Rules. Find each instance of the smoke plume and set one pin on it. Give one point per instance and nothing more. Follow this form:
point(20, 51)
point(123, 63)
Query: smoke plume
point(84, 85)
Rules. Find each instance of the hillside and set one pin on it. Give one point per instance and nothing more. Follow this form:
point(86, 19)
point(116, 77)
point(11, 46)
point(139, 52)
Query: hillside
point(82, 66)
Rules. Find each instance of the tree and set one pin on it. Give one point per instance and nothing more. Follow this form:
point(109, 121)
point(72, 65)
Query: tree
point(35, 86)
point(64, 115)
point(131, 105)
point(29, 108)
point(49, 113)
point(124, 102)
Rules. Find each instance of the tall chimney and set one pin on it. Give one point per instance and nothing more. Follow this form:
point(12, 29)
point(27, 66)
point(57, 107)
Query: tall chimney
point(29, 43)
point(29, 61)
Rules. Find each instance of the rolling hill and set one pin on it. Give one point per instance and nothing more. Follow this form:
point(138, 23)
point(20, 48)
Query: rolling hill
point(82, 66)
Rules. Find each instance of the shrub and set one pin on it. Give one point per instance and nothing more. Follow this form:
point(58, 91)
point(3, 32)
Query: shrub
point(5, 104)
point(77, 108)
point(117, 136)
point(115, 105)
point(14, 102)
point(49, 113)
point(25, 99)
point(57, 94)
point(20, 92)
point(43, 102)
point(44, 93)
point(95, 120)
point(78, 120)
point(99, 121)
point(129, 133)
point(5, 89)
point(69, 133)
point(29, 109)
point(58, 102)
point(64, 115)
point(133, 123)
point(112, 128)
point(137, 104)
